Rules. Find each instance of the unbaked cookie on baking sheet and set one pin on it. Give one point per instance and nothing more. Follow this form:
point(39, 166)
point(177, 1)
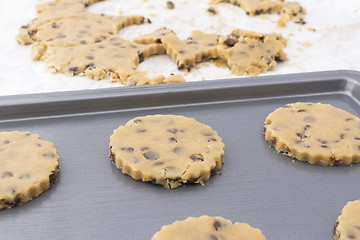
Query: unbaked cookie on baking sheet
point(314, 132)
point(208, 228)
point(169, 150)
point(347, 226)
point(28, 166)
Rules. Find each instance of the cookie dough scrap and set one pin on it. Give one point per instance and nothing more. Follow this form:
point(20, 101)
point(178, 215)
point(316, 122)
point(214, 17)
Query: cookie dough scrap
point(75, 42)
point(113, 58)
point(197, 48)
point(314, 132)
point(347, 226)
point(287, 10)
point(169, 150)
point(28, 167)
point(67, 23)
point(208, 228)
point(291, 11)
point(141, 79)
point(251, 53)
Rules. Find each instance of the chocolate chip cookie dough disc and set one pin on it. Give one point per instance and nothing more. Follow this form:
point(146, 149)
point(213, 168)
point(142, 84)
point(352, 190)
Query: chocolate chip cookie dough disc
point(314, 132)
point(347, 226)
point(28, 166)
point(167, 149)
point(208, 228)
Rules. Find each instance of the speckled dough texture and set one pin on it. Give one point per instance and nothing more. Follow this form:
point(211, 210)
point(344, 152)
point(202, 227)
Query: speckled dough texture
point(28, 166)
point(306, 43)
point(314, 132)
point(347, 226)
point(208, 228)
point(169, 150)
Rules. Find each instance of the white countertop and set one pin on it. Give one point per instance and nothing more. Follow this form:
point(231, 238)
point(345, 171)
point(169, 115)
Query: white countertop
point(334, 45)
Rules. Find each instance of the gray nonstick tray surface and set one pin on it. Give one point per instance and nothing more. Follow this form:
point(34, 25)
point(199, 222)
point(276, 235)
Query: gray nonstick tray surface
point(285, 198)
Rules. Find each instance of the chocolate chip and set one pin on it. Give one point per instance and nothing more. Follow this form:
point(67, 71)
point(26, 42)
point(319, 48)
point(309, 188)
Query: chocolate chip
point(27, 134)
point(258, 12)
point(181, 52)
point(52, 177)
point(324, 146)
point(172, 139)
point(207, 133)
point(54, 25)
point(141, 130)
point(49, 155)
point(83, 42)
point(217, 225)
point(141, 57)
point(307, 127)
point(357, 138)
point(178, 150)
point(39, 145)
point(335, 226)
point(264, 129)
point(229, 42)
point(336, 162)
point(211, 10)
point(91, 66)
point(144, 148)
point(302, 136)
point(322, 141)
point(212, 140)
point(173, 130)
point(301, 110)
point(90, 57)
point(73, 69)
point(6, 174)
point(127, 149)
point(349, 119)
point(101, 46)
point(301, 21)
point(158, 163)
point(151, 155)
point(13, 203)
point(273, 141)
point(288, 150)
point(342, 136)
point(204, 57)
point(170, 5)
point(351, 236)
point(6, 142)
point(197, 158)
point(213, 237)
point(25, 176)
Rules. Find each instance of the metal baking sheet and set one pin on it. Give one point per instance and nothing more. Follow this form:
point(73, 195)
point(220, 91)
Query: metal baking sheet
point(93, 200)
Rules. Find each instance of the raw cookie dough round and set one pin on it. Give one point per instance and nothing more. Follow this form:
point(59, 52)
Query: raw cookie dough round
point(314, 132)
point(167, 149)
point(208, 228)
point(28, 166)
point(347, 226)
